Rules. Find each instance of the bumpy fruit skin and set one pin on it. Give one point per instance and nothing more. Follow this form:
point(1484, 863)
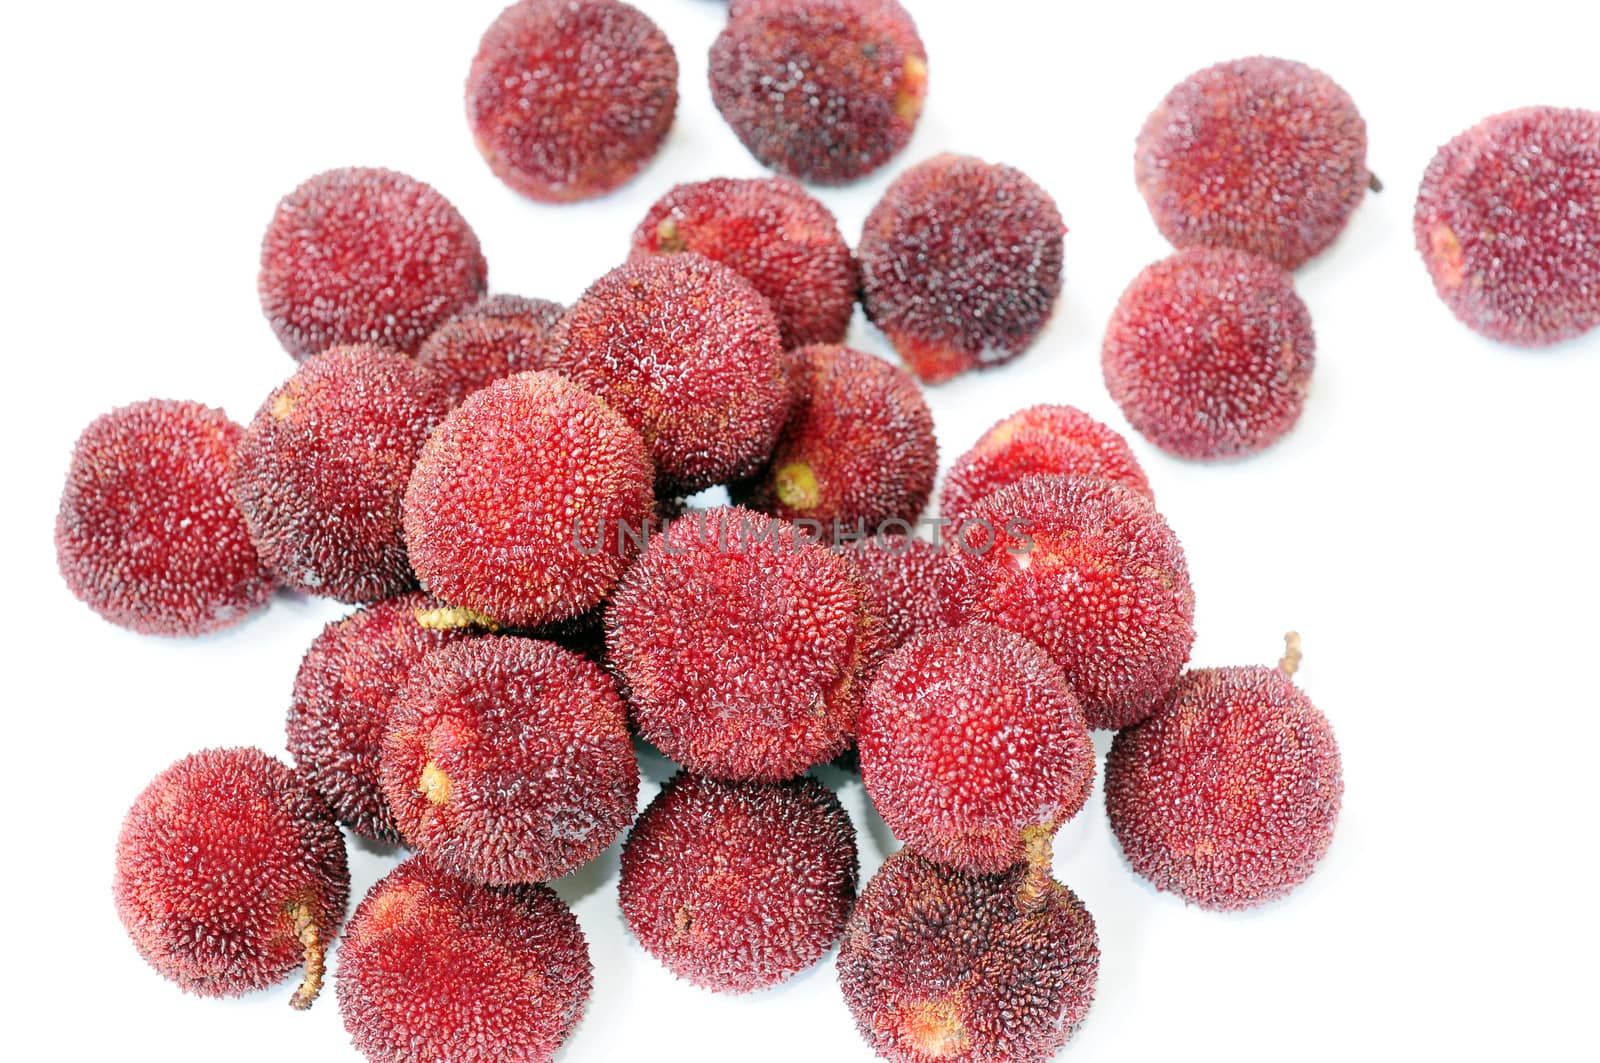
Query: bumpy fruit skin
point(148, 534)
point(230, 874)
point(961, 265)
point(320, 471)
point(970, 740)
point(1228, 794)
point(742, 645)
point(773, 234)
point(497, 336)
point(1209, 353)
point(569, 99)
point(1051, 559)
point(347, 683)
point(940, 965)
point(738, 886)
point(823, 90)
point(363, 255)
point(508, 760)
point(858, 450)
point(690, 354)
point(902, 584)
point(517, 505)
point(1038, 441)
point(1507, 225)
point(436, 968)
point(1263, 155)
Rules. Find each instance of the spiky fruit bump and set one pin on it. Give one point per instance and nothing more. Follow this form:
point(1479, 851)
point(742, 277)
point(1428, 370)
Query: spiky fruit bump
point(1228, 794)
point(1091, 573)
point(961, 264)
point(902, 584)
point(346, 685)
point(364, 255)
point(738, 886)
point(508, 760)
point(1038, 441)
point(519, 501)
point(858, 449)
point(972, 744)
point(434, 967)
point(230, 874)
point(773, 234)
point(148, 534)
point(569, 99)
point(742, 645)
point(690, 354)
point(822, 90)
point(1209, 353)
point(495, 337)
point(1507, 225)
point(1263, 155)
point(939, 964)
point(321, 469)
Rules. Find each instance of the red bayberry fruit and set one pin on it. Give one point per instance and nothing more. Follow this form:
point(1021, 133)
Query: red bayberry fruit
point(689, 353)
point(436, 968)
point(344, 690)
point(974, 749)
point(148, 534)
point(822, 90)
point(858, 449)
point(320, 471)
point(742, 645)
point(902, 584)
point(498, 336)
point(1263, 155)
point(961, 265)
point(230, 874)
point(1038, 441)
point(1507, 225)
point(1087, 570)
point(508, 760)
point(774, 235)
point(1209, 353)
point(519, 501)
point(938, 964)
point(569, 99)
point(738, 886)
point(1228, 794)
point(366, 256)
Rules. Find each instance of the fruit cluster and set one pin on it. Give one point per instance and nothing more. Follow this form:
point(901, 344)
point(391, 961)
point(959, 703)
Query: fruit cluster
point(501, 485)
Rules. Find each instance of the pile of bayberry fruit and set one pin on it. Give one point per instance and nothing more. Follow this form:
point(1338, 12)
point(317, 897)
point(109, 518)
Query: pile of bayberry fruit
point(501, 484)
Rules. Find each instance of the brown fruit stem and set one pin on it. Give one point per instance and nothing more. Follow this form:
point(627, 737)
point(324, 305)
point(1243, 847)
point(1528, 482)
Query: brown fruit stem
point(452, 617)
point(1373, 182)
point(1289, 663)
point(305, 928)
point(1039, 851)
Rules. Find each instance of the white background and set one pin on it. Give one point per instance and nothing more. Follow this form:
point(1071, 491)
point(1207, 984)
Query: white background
point(1429, 527)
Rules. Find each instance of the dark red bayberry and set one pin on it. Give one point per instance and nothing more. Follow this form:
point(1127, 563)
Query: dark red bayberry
point(148, 534)
point(1507, 224)
point(230, 874)
point(434, 967)
point(822, 90)
point(364, 255)
point(508, 760)
point(569, 99)
point(961, 265)
point(1228, 794)
point(320, 471)
point(739, 886)
point(1261, 155)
